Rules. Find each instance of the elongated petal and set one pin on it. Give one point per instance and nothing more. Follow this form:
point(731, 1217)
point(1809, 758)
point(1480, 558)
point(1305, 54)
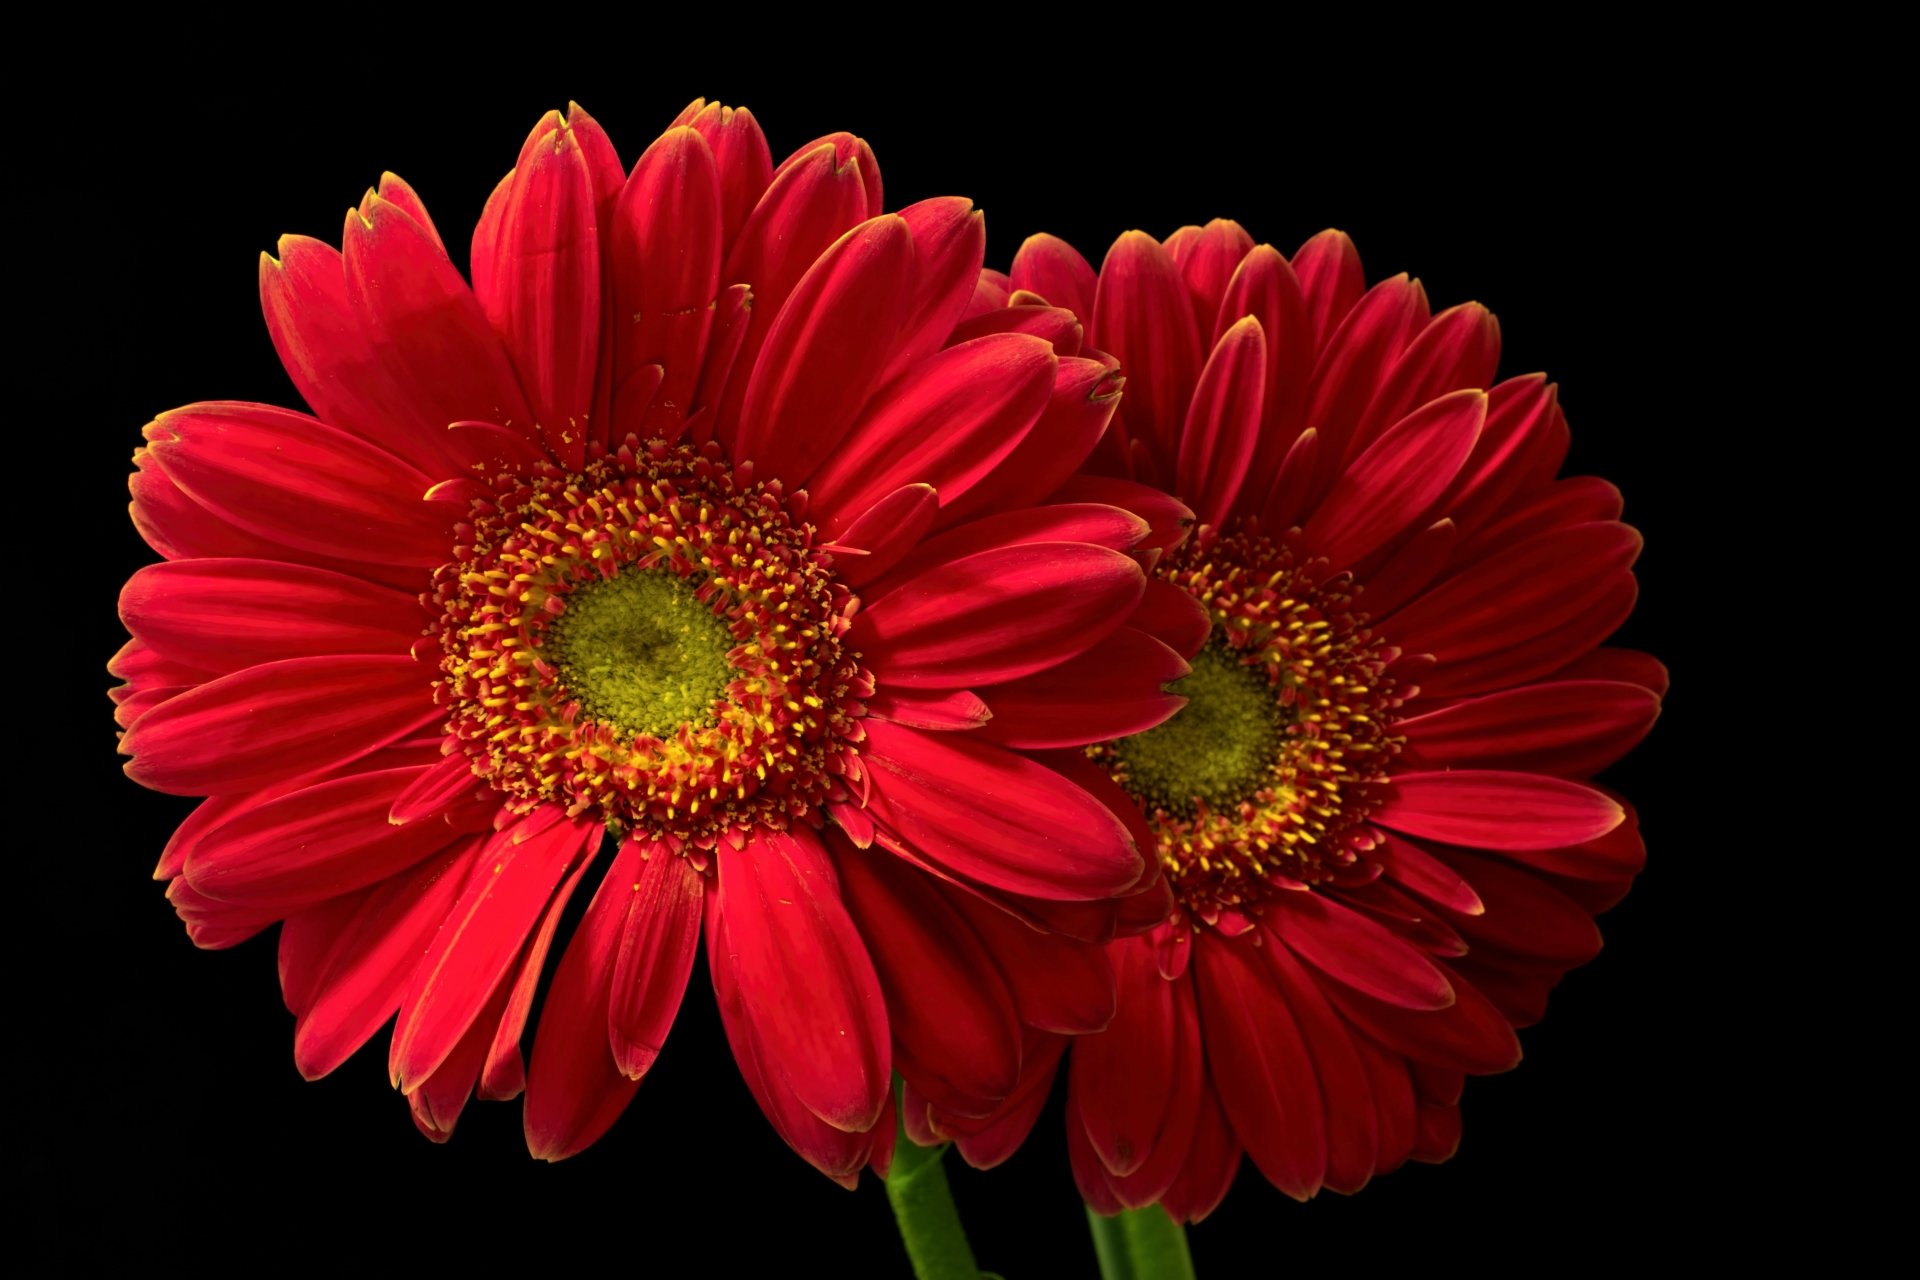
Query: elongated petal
point(1142, 316)
point(805, 981)
point(278, 720)
point(425, 324)
point(1387, 489)
point(1260, 1065)
point(1348, 374)
point(306, 846)
point(667, 244)
point(882, 534)
point(1350, 1112)
point(295, 481)
point(1207, 260)
point(1524, 591)
point(657, 943)
point(547, 306)
point(1331, 281)
point(1058, 984)
point(1126, 1078)
point(1223, 422)
point(825, 353)
point(1054, 269)
point(949, 244)
point(222, 615)
point(574, 1090)
point(485, 930)
point(1489, 809)
point(1000, 614)
point(947, 423)
point(503, 1072)
point(1353, 949)
point(1112, 690)
point(955, 1032)
point(1572, 728)
point(369, 967)
point(1041, 836)
point(1100, 524)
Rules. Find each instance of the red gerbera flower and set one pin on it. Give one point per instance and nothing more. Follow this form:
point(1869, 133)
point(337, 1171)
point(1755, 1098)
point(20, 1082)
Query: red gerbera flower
point(690, 523)
point(1373, 809)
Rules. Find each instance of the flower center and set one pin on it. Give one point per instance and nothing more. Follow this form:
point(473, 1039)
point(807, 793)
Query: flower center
point(1218, 749)
point(1262, 781)
point(655, 640)
point(641, 653)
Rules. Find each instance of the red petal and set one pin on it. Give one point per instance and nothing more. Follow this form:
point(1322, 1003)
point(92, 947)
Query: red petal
point(1127, 1078)
point(1352, 364)
point(812, 203)
point(1114, 689)
point(1211, 1163)
point(303, 847)
point(838, 1154)
point(1059, 984)
point(1535, 656)
point(1408, 571)
point(1517, 594)
point(1264, 287)
point(1629, 666)
point(520, 868)
point(1469, 1035)
point(425, 325)
point(949, 244)
point(935, 709)
point(1419, 872)
point(1487, 809)
point(999, 614)
point(1572, 728)
point(574, 1091)
point(955, 1033)
point(503, 1074)
point(1208, 259)
point(306, 940)
point(297, 482)
point(806, 984)
point(546, 308)
point(948, 422)
point(1353, 1127)
point(666, 247)
point(1260, 1065)
point(1331, 281)
point(1056, 325)
point(1387, 489)
point(326, 351)
point(660, 934)
point(1223, 422)
point(1459, 349)
point(369, 968)
point(1096, 523)
point(1167, 516)
point(222, 615)
point(884, 533)
point(826, 351)
point(740, 155)
point(1036, 833)
point(1519, 432)
point(1524, 916)
point(992, 1143)
point(1054, 269)
point(1353, 949)
point(1143, 317)
point(1173, 617)
point(278, 720)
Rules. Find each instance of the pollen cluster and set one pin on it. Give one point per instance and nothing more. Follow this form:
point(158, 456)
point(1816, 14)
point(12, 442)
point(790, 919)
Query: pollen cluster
point(1260, 782)
point(655, 641)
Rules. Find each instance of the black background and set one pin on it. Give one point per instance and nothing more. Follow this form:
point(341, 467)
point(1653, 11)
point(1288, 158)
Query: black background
point(165, 1119)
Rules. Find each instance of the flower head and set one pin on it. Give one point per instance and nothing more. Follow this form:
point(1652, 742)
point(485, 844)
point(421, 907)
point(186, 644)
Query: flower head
point(1373, 810)
point(698, 525)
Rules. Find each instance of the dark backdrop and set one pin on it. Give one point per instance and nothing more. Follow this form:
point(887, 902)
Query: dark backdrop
point(168, 1120)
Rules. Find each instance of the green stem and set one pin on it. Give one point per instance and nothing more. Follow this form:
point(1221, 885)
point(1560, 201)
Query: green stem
point(1140, 1244)
point(923, 1209)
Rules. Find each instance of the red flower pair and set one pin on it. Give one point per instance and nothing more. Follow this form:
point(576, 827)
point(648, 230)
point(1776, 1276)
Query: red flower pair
point(760, 538)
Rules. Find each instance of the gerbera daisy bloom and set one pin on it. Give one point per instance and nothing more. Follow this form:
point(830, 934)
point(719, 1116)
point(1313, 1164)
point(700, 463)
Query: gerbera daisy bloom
point(694, 529)
point(1375, 809)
